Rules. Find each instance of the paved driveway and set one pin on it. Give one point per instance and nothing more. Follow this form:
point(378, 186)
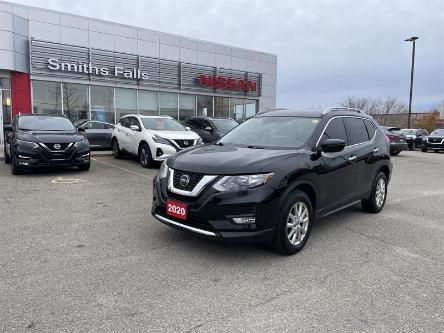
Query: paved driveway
point(79, 251)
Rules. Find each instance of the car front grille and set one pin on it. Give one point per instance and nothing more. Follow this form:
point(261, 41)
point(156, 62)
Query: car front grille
point(193, 179)
point(434, 140)
point(184, 143)
point(57, 146)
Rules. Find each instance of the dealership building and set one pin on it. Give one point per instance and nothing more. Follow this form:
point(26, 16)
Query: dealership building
point(58, 63)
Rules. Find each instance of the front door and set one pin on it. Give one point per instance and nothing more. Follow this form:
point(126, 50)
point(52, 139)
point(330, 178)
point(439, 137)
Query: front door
point(338, 171)
point(2, 136)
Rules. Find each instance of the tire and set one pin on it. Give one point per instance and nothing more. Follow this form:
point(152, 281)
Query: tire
point(412, 146)
point(296, 202)
point(15, 169)
point(436, 150)
point(424, 150)
point(145, 158)
point(115, 148)
point(376, 202)
point(84, 167)
point(7, 157)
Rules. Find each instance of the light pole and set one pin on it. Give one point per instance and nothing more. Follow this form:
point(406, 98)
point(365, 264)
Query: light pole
point(411, 39)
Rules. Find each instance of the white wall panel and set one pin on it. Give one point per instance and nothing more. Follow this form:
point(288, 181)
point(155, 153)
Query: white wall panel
point(124, 31)
point(74, 36)
point(6, 40)
point(20, 44)
point(188, 55)
point(100, 26)
point(44, 31)
point(6, 21)
point(148, 35)
point(101, 41)
point(21, 26)
point(169, 52)
point(127, 45)
point(7, 60)
point(206, 58)
point(149, 49)
point(74, 21)
point(44, 16)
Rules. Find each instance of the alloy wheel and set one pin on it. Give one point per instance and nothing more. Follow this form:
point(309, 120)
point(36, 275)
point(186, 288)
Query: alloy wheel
point(297, 223)
point(380, 192)
point(143, 157)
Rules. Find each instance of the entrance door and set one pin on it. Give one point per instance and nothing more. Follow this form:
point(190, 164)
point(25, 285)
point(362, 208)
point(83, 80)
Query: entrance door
point(2, 136)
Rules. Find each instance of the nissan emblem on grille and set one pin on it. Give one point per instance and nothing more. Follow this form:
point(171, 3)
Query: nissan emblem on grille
point(184, 180)
point(57, 146)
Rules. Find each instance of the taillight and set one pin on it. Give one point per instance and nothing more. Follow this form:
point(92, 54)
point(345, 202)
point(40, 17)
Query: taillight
point(387, 139)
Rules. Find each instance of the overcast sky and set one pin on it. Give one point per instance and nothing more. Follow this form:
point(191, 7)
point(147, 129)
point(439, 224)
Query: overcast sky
point(326, 49)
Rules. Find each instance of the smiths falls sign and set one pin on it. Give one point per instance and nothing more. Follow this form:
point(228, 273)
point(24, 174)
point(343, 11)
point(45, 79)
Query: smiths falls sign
point(55, 64)
point(90, 64)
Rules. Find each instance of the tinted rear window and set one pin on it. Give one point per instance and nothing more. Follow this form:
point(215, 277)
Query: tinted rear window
point(370, 128)
point(356, 130)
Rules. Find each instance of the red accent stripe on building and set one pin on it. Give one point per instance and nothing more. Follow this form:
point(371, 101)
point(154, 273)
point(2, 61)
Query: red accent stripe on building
point(20, 93)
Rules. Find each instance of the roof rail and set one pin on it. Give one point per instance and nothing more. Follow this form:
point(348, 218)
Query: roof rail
point(341, 108)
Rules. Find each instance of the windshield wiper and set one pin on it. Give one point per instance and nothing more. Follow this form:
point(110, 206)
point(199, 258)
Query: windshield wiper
point(219, 143)
point(255, 147)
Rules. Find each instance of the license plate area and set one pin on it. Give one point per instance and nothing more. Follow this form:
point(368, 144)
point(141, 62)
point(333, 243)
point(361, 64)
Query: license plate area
point(176, 209)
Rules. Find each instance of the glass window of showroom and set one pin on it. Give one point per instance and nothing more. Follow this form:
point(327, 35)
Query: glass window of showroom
point(109, 104)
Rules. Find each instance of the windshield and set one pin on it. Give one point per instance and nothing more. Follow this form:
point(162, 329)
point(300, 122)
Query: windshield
point(437, 132)
point(408, 131)
point(162, 124)
point(44, 123)
point(224, 125)
point(263, 132)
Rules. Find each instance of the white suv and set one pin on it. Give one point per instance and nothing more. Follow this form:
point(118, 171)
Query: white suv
point(151, 138)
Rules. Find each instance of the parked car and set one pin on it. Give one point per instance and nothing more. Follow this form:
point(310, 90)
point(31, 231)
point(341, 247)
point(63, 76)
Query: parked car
point(45, 140)
point(270, 177)
point(396, 140)
point(98, 133)
point(211, 129)
point(434, 141)
point(414, 137)
point(151, 138)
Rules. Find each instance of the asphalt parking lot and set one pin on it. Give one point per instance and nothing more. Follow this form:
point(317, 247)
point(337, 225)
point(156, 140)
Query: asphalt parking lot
point(79, 251)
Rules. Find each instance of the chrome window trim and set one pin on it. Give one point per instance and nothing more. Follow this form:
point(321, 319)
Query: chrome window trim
point(356, 144)
point(197, 189)
point(199, 231)
point(56, 151)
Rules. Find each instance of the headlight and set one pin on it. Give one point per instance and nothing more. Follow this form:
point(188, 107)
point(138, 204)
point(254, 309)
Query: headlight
point(199, 141)
point(83, 143)
point(229, 183)
point(27, 144)
point(159, 139)
point(163, 170)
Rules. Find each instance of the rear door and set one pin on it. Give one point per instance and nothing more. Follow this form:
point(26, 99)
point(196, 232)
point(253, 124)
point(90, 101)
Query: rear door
point(134, 136)
point(363, 148)
point(338, 171)
point(123, 133)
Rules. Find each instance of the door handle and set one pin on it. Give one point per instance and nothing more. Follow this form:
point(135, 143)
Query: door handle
point(352, 158)
point(375, 150)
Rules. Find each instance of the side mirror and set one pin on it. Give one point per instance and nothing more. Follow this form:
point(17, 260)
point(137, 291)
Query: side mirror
point(333, 145)
point(135, 128)
point(208, 129)
point(80, 129)
point(9, 128)
point(187, 128)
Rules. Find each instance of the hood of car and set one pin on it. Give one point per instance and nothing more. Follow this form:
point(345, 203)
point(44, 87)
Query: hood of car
point(51, 137)
point(176, 135)
point(226, 160)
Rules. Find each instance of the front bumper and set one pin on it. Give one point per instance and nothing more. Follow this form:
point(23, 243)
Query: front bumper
point(210, 214)
point(40, 157)
point(433, 145)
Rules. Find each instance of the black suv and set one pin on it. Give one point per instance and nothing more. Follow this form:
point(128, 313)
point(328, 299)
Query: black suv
point(45, 140)
point(434, 141)
point(269, 178)
point(211, 129)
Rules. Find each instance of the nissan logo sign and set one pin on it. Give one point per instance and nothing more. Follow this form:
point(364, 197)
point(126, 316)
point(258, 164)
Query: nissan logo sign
point(57, 146)
point(184, 180)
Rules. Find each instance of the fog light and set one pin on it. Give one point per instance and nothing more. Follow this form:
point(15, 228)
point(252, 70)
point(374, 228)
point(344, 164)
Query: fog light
point(159, 152)
point(244, 220)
